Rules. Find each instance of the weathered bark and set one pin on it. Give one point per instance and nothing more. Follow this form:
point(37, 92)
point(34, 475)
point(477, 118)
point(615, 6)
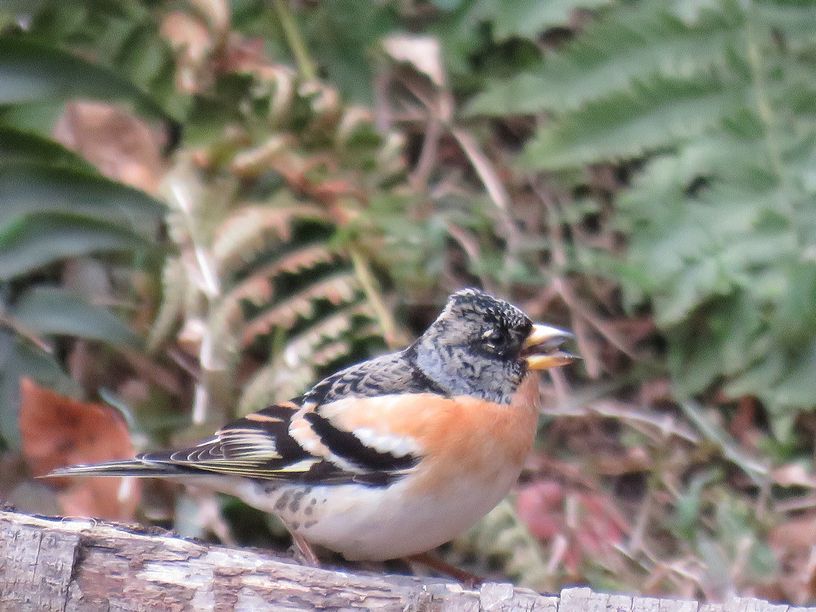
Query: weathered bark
point(80, 565)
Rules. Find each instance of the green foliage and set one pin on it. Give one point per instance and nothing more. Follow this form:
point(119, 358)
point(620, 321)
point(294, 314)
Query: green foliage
point(528, 18)
point(623, 46)
point(18, 358)
point(43, 238)
point(22, 146)
point(55, 206)
point(344, 34)
point(35, 72)
point(128, 59)
point(55, 311)
point(717, 103)
point(30, 187)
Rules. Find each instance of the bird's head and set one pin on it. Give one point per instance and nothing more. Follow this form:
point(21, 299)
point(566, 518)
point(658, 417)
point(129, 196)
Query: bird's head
point(484, 346)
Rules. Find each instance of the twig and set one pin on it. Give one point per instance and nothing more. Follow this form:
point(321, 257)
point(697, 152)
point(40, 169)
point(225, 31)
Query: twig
point(560, 385)
point(755, 470)
point(796, 504)
point(471, 248)
point(495, 189)
point(641, 521)
point(391, 331)
point(427, 156)
point(665, 424)
point(563, 287)
point(306, 67)
point(487, 174)
point(23, 331)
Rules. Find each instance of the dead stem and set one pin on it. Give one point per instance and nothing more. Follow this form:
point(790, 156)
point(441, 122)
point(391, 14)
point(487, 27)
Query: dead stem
point(23, 331)
point(392, 333)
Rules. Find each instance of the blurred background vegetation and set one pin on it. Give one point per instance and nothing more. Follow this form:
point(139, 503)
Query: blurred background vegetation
point(206, 205)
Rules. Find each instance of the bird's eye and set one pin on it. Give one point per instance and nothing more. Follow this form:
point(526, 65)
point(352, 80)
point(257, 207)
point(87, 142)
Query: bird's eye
point(493, 339)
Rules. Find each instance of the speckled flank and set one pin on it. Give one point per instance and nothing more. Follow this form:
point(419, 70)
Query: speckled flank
point(281, 503)
point(296, 505)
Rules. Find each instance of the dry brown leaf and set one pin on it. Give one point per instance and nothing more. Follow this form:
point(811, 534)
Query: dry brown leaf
point(423, 52)
point(792, 543)
point(121, 146)
point(57, 431)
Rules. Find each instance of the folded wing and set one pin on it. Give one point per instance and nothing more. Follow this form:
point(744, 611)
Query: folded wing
point(285, 441)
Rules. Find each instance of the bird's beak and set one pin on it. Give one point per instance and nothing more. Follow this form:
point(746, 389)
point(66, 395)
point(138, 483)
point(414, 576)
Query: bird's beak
point(542, 348)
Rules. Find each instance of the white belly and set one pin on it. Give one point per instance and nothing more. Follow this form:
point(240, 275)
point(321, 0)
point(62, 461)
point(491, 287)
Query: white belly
point(376, 523)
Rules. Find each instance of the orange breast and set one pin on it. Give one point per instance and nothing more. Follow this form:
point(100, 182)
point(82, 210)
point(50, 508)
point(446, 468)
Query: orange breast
point(458, 435)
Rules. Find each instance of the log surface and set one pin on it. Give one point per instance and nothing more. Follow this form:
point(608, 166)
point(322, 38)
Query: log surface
point(53, 564)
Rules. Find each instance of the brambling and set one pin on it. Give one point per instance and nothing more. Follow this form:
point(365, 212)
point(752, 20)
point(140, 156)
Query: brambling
point(393, 456)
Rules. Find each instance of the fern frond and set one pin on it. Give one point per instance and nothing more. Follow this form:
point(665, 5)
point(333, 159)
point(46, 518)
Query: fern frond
point(336, 289)
point(254, 161)
point(174, 289)
point(329, 352)
point(296, 261)
point(529, 18)
point(791, 20)
point(296, 367)
point(304, 344)
point(259, 287)
point(249, 230)
point(650, 116)
point(630, 44)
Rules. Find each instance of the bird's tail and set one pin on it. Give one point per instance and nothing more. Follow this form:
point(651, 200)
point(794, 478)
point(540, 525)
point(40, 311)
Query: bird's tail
point(129, 467)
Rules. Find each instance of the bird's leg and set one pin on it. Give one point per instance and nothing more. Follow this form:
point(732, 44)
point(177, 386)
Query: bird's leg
point(446, 569)
point(304, 550)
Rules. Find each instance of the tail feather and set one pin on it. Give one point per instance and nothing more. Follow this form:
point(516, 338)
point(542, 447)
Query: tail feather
point(130, 467)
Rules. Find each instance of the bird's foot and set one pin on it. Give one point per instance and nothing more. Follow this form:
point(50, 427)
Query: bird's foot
point(438, 565)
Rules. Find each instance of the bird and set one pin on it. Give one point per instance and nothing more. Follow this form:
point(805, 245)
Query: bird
point(394, 456)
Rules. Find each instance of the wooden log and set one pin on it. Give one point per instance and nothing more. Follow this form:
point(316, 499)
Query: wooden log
point(71, 565)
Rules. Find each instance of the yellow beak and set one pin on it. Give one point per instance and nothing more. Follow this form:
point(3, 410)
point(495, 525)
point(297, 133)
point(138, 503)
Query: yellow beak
point(541, 349)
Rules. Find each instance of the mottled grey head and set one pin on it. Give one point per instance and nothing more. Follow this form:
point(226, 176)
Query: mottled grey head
point(483, 347)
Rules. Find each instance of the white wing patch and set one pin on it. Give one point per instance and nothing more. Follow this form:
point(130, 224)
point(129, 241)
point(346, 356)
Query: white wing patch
point(399, 446)
point(300, 466)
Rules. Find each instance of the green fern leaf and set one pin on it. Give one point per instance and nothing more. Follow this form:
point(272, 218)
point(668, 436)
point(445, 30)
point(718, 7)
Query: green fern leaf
point(630, 44)
point(39, 239)
point(259, 287)
point(648, 117)
point(290, 373)
point(528, 18)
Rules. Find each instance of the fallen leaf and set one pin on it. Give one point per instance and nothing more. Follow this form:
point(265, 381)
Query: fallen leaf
point(121, 146)
point(792, 543)
point(58, 431)
point(591, 530)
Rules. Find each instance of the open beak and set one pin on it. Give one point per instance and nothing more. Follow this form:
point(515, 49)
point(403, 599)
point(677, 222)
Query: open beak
point(542, 348)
